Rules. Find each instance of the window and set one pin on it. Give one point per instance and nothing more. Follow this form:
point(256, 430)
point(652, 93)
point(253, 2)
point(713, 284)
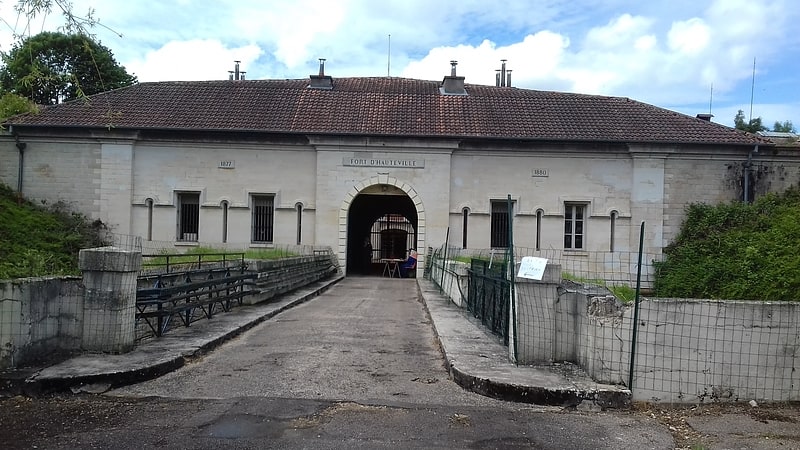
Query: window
point(465, 214)
point(574, 217)
point(263, 207)
point(299, 208)
point(225, 206)
point(188, 216)
point(614, 215)
point(149, 203)
point(499, 238)
point(539, 214)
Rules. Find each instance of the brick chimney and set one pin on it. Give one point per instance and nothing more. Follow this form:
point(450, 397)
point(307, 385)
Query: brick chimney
point(452, 84)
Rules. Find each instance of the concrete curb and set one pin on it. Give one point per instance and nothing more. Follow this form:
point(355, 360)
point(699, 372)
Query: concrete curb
point(100, 372)
point(478, 362)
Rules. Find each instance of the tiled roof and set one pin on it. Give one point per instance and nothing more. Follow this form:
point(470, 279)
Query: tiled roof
point(382, 106)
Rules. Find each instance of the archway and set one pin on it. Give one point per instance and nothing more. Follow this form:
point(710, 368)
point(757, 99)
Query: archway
point(385, 213)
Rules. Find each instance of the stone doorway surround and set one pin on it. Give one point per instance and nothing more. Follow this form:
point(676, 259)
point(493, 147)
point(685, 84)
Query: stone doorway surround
point(341, 252)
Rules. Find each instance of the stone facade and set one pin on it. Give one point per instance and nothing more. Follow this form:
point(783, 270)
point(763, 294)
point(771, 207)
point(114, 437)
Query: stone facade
point(132, 185)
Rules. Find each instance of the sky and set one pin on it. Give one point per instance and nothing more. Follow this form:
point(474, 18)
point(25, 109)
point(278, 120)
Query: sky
point(689, 56)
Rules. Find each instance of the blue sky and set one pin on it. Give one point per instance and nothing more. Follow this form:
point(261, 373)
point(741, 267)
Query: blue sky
point(688, 56)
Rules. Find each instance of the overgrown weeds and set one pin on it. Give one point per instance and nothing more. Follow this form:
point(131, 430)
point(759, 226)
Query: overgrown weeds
point(40, 239)
point(736, 251)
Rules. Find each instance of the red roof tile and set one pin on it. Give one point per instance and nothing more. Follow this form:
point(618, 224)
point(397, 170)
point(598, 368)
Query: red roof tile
point(383, 107)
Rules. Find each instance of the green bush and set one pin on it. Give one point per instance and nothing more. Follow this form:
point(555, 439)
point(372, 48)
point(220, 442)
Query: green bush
point(736, 251)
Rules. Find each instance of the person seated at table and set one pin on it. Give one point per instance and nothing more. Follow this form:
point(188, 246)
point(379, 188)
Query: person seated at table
point(408, 264)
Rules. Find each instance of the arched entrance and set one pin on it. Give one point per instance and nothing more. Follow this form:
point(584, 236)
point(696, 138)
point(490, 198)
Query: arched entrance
point(380, 219)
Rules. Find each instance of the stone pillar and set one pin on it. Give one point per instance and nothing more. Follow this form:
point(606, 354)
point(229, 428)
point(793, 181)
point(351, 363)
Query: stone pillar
point(536, 311)
point(109, 278)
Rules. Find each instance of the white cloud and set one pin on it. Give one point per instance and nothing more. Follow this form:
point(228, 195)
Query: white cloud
point(192, 60)
point(690, 37)
point(661, 53)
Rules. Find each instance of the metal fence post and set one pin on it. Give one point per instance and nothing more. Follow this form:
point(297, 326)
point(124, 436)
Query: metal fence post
point(636, 308)
point(512, 302)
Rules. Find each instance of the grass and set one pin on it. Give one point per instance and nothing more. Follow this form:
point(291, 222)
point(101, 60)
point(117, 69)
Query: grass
point(624, 293)
point(204, 255)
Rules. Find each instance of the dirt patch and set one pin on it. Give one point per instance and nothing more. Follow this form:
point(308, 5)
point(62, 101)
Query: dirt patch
point(715, 425)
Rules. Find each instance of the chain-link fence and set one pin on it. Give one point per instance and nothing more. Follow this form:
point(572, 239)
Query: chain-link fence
point(584, 311)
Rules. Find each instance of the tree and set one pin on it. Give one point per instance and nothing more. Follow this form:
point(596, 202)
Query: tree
point(753, 126)
point(53, 67)
point(13, 104)
point(785, 127)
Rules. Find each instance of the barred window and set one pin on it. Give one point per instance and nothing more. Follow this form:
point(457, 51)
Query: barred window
point(574, 218)
point(188, 216)
point(499, 225)
point(263, 209)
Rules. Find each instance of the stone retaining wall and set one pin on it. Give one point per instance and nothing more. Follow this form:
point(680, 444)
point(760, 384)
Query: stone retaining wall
point(53, 318)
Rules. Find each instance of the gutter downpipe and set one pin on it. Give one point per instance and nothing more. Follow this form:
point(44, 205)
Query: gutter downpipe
point(21, 147)
point(747, 170)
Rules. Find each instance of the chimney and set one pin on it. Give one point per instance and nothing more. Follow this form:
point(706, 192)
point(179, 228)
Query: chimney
point(503, 76)
point(706, 117)
point(321, 81)
point(235, 74)
point(452, 84)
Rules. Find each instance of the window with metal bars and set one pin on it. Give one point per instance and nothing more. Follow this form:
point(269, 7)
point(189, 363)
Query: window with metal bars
point(263, 209)
point(188, 216)
point(499, 224)
point(391, 236)
point(574, 220)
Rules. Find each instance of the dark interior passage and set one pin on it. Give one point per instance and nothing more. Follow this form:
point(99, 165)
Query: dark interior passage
point(379, 226)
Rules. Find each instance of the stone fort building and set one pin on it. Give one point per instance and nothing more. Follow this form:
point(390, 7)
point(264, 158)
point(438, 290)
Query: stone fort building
point(400, 162)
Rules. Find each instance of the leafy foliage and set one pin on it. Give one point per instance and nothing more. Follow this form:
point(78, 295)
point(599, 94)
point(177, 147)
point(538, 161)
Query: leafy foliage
point(736, 251)
point(785, 127)
point(752, 126)
point(51, 67)
point(37, 240)
point(13, 104)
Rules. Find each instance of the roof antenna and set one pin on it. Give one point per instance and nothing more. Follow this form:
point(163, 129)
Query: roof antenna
point(711, 98)
point(752, 89)
point(389, 58)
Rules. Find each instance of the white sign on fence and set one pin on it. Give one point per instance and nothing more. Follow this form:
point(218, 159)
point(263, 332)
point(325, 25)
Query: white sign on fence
point(532, 267)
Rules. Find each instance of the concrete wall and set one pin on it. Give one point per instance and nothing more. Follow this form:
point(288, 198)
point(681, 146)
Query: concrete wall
point(47, 319)
point(687, 351)
point(453, 280)
point(56, 170)
point(276, 277)
point(39, 318)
